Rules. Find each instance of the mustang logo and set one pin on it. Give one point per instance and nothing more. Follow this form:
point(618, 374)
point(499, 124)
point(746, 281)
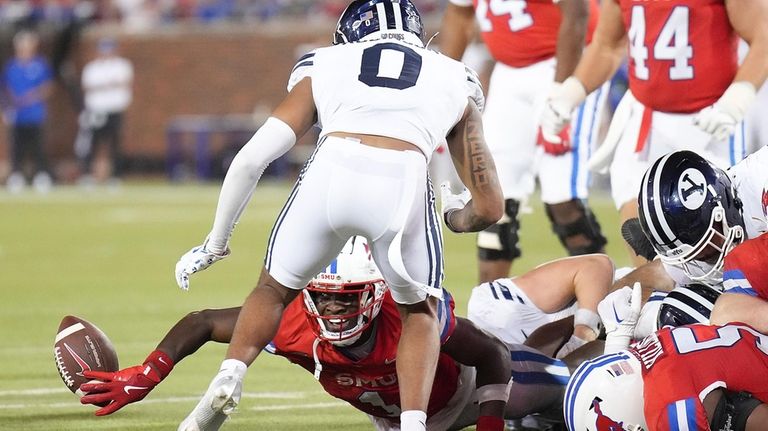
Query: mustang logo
point(603, 422)
point(765, 200)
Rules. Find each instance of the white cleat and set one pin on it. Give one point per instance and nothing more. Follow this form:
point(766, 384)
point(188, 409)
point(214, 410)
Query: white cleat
point(213, 409)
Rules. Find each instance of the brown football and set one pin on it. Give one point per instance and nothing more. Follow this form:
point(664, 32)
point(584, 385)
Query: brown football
point(81, 346)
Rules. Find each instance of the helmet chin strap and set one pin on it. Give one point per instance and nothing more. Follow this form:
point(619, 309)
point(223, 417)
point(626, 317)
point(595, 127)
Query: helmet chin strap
point(431, 38)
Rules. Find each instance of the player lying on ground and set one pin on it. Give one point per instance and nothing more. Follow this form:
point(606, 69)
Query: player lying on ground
point(695, 377)
point(362, 323)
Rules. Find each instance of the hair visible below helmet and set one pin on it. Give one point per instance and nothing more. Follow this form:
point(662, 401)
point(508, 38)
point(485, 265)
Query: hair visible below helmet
point(686, 305)
point(353, 272)
point(688, 206)
point(606, 393)
point(365, 17)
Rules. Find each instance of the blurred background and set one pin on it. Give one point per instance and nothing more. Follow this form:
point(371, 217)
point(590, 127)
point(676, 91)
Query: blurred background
point(206, 73)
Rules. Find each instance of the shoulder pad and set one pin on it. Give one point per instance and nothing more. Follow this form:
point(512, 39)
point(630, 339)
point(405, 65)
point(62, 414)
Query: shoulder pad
point(302, 69)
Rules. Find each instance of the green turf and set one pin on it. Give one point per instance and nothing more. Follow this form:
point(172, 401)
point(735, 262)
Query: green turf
point(108, 256)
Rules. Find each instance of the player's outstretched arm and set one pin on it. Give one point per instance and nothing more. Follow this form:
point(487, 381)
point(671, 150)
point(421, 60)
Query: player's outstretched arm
point(457, 30)
point(132, 384)
point(571, 36)
point(490, 357)
point(475, 166)
point(587, 278)
point(292, 118)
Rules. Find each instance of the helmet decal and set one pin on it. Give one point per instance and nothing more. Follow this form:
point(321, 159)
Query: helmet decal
point(692, 188)
point(603, 422)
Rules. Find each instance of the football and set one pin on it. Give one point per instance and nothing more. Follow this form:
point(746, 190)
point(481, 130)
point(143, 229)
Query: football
point(81, 346)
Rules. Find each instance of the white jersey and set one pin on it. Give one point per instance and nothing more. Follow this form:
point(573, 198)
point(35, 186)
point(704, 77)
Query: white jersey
point(750, 178)
point(423, 93)
point(503, 309)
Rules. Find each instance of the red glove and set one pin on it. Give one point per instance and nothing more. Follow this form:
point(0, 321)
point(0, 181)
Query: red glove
point(555, 145)
point(127, 385)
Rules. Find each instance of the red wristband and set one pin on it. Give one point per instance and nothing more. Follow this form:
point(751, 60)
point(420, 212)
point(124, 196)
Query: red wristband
point(160, 362)
point(490, 423)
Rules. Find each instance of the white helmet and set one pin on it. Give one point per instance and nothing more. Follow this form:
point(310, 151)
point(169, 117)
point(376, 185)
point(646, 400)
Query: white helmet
point(606, 394)
point(353, 274)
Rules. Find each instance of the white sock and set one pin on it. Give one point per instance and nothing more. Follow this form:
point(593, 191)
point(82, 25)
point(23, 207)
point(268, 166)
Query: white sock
point(413, 420)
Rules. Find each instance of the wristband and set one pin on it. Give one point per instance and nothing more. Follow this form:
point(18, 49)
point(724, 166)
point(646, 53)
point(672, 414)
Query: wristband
point(588, 318)
point(572, 92)
point(160, 362)
point(497, 392)
point(737, 98)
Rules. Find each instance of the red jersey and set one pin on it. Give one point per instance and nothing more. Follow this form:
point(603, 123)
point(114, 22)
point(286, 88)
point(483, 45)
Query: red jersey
point(680, 364)
point(746, 269)
point(523, 32)
point(370, 383)
point(682, 53)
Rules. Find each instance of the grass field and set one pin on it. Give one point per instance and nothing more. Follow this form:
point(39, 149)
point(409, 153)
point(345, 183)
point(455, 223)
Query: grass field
point(108, 256)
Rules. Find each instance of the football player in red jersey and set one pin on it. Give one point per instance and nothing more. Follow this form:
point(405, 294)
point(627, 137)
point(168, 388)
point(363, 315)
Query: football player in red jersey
point(695, 377)
point(344, 330)
point(685, 88)
point(536, 45)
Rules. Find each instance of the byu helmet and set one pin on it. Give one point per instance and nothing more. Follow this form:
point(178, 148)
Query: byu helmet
point(354, 279)
point(365, 17)
point(691, 214)
point(686, 305)
point(606, 394)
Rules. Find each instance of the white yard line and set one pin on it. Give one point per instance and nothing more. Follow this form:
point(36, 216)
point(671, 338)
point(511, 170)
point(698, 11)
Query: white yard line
point(74, 403)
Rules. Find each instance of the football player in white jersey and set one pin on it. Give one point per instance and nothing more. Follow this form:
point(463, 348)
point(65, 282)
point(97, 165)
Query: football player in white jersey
point(384, 103)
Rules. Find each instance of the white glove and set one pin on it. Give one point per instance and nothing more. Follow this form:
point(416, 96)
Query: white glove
point(562, 100)
point(450, 201)
point(721, 118)
point(219, 401)
point(620, 312)
point(197, 259)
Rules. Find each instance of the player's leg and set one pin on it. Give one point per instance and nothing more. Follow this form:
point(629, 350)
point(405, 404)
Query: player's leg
point(510, 130)
point(565, 182)
point(300, 244)
point(409, 254)
point(114, 136)
point(16, 180)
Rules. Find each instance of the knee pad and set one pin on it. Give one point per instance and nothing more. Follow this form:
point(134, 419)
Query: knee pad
point(733, 410)
point(501, 241)
point(584, 224)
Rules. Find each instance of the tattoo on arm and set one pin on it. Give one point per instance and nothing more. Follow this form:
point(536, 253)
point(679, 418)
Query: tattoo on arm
point(478, 157)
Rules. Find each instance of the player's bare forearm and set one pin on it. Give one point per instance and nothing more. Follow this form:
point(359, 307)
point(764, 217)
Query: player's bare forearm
point(196, 329)
point(259, 318)
point(748, 18)
point(457, 30)
point(652, 276)
point(477, 171)
point(605, 53)
point(472, 347)
point(571, 36)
